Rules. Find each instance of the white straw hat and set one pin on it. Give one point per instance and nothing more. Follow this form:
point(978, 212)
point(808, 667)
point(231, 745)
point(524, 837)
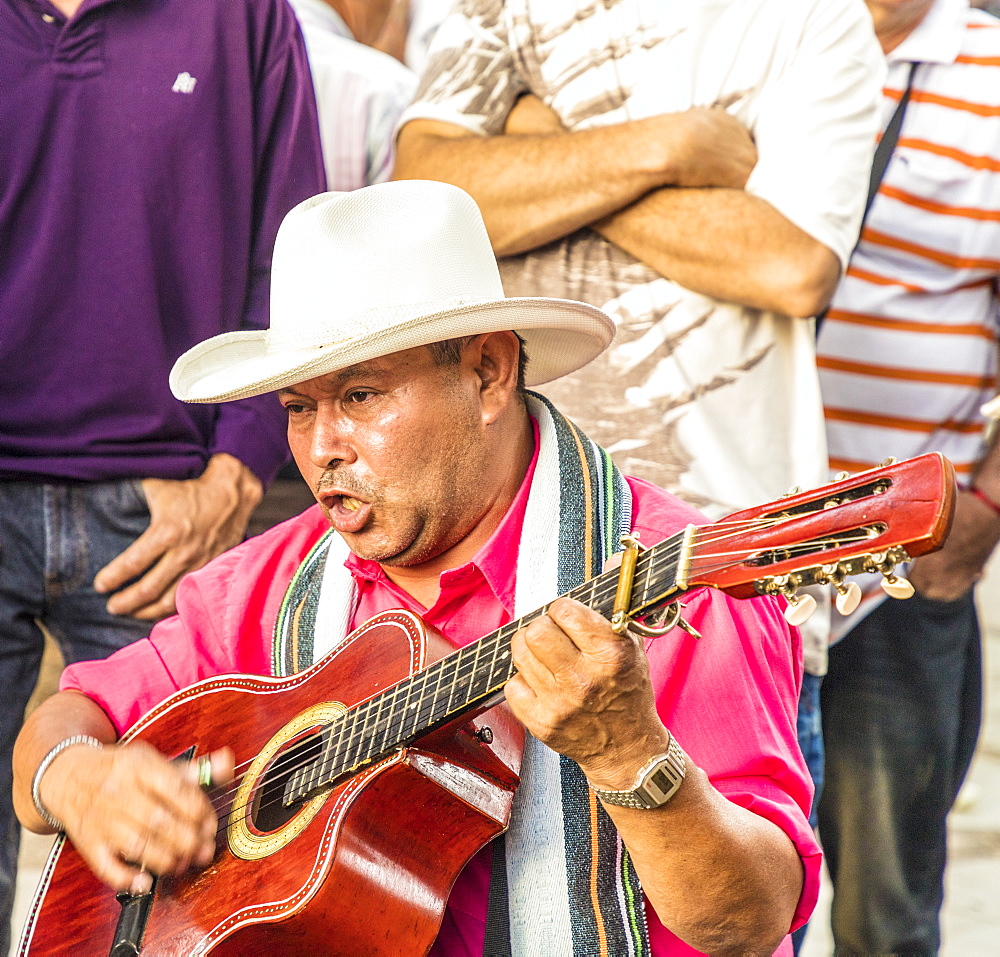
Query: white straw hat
point(371, 272)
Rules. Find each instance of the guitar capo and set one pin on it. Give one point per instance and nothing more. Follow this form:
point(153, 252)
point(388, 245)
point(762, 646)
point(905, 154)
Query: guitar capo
point(621, 621)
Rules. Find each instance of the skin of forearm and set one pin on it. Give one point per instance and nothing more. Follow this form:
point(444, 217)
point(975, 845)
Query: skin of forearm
point(948, 574)
point(533, 189)
point(64, 715)
point(727, 244)
point(725, 880)
point(987, 475)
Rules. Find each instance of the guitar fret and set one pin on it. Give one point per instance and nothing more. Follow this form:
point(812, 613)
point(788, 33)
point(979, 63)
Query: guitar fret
point(400, 714)
point(452, 686)
point(478, 672)
point(347, 742)
point(390, 718)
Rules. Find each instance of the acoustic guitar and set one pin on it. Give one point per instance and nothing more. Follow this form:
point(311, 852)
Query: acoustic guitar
point(366, 783)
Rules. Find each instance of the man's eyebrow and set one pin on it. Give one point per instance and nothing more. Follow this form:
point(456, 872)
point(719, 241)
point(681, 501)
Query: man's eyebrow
point(368, 370)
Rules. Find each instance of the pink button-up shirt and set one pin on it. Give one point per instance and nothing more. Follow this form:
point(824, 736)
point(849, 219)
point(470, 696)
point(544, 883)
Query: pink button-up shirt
point(730, 698)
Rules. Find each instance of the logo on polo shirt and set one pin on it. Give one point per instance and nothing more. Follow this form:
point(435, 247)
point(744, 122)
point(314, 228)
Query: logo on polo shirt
point(184, 83)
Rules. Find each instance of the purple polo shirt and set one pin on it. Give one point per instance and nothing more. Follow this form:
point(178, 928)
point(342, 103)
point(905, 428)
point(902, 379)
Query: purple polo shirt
point(148, 152)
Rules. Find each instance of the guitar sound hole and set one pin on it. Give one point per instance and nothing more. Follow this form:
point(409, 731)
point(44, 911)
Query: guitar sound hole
point(269, 811)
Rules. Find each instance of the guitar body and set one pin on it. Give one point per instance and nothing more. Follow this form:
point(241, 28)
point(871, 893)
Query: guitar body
point(364, 868)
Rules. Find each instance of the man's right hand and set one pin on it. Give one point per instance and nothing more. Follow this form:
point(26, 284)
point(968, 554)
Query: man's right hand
point(710, 148)
point(539, 182)
point(131, 813)
point(702, 146)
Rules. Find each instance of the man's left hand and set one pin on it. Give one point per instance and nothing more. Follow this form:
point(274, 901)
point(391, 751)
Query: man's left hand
point(191, 521)
point(585, 692)
point(531, 116)
point(946, 575)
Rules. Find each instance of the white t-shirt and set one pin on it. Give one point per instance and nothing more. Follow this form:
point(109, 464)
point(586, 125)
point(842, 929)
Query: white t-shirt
point(713, 401)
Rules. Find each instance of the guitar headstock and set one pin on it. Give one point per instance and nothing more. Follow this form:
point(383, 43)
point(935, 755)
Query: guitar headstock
point(869, 521)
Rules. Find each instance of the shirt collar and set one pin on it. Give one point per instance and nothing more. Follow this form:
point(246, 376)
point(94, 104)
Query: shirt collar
point(496, 561)
point(937, 38)
point(322, 15)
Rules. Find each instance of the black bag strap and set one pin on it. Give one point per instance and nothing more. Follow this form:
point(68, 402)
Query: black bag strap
point(880, 162)
point(497, 942)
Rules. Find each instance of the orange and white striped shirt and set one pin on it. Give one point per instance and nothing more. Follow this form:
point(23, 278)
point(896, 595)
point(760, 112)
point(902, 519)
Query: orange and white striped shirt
point(908, 351)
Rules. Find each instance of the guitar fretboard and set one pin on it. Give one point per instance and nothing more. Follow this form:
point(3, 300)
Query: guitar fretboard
point(460, 682)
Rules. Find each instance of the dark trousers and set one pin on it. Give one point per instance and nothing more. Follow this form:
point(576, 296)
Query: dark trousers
point(901, 706)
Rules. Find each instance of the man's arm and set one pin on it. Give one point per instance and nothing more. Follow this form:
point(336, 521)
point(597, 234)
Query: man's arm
point(129, 812)
point(728, 244)
point(722, 878)
point(540, 184)
point(948, 574)
point(722, 242)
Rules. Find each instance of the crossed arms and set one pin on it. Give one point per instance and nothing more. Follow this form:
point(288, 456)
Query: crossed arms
point(668, 189)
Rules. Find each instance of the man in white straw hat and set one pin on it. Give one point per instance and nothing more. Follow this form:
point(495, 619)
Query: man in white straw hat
point(455, 494)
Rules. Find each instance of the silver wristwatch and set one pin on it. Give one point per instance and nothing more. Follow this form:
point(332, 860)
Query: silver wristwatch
point(655, 784)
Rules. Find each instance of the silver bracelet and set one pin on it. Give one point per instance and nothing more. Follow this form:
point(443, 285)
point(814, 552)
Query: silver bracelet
point(43, 812)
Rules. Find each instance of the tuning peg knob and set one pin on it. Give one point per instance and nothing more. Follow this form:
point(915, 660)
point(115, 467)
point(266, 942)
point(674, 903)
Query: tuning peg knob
point(896, 587)
point(800, 607)
point(848, 597)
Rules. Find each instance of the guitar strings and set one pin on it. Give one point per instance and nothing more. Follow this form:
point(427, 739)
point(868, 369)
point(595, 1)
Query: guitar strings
point(601, 591)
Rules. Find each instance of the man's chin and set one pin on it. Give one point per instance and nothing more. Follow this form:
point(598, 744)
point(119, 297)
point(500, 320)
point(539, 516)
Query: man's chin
point(366, 546)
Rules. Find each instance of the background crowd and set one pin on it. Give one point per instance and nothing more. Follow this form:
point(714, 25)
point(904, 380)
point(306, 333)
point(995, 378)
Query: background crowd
point(702, 171)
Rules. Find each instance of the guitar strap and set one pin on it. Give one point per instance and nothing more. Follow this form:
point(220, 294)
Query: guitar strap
point(570, 885)
point(880, 162)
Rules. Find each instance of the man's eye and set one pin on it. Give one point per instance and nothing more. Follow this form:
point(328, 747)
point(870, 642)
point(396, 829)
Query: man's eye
point(359, 395)
point(294, 408)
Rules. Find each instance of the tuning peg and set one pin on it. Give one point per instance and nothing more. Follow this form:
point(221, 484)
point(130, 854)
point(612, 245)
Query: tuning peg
point(800, 607)
point(885, 463)
point(794, 490)
point(840, 476)
point(896, 587)
point(848, 597)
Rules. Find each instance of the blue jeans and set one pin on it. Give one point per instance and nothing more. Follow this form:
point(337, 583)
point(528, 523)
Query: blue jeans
point(809, 730)
point(902, 706)
point(53, 540)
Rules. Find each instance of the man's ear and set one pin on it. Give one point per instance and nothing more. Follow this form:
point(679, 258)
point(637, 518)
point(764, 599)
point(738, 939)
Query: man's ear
point(494, 357)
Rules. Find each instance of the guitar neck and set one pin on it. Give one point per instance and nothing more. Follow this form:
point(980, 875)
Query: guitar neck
point(466, 680)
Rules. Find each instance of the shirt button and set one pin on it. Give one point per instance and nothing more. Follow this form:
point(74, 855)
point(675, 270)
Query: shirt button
point(48, 18)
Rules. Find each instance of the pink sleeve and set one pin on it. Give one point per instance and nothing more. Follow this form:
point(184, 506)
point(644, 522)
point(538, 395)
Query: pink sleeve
point(731, 697)
point(739, 726)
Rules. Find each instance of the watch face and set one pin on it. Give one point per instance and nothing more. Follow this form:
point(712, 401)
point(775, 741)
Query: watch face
point(660, 781)
point(659, 785)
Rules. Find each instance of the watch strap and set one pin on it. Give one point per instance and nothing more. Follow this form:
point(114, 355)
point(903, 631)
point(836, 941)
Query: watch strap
point(655, 784)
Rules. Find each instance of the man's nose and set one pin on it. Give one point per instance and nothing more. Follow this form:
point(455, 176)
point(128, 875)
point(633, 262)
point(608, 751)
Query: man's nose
point(331, 441)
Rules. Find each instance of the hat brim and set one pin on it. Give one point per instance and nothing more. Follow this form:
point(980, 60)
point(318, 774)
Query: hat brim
point(560, 336)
